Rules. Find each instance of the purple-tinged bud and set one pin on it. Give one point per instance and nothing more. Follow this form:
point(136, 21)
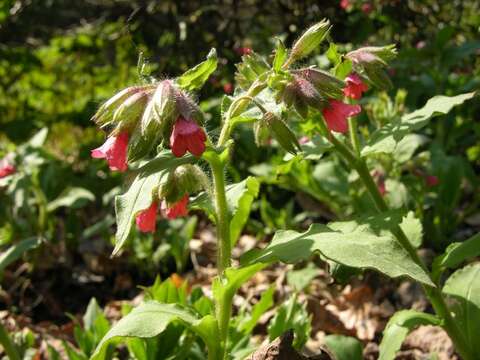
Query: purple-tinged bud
point(325, 83)
point(372, 61)
point(300, 93)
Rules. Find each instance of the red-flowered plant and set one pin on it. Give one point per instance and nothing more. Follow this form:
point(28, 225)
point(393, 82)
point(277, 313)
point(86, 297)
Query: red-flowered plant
point(158, 129)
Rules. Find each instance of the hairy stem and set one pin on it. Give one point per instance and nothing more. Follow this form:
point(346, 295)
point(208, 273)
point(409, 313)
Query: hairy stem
point(434, 294)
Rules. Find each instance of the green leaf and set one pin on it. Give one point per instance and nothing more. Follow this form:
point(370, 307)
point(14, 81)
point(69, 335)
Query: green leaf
point(224, 289)
point(300, 279)
point(457, 253)
point(398, 328)
point(361, 243)
point(463, 289)
point(280, 55)
point(332, 54)
point(265, 303)
point(291, 315)
point(139, 196)
point(152, 318)
point(14, 252)
point(344, 347)
point(74, 197)
point(386, 139)
point(39, 138)
point(93, 311)
point(196, 77)
point(407, 147)
point(240, 198)
point(343, 69)
point(412, 227)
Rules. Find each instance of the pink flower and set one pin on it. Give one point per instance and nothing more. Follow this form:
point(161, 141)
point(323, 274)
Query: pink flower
point(175, 210)
point(431, 180)
point(344, 4)
point(367, 8)
point(380, 180)
point(228, 88)
point(243, 50)
point(355, 86)
point(187, 135)
point(146, 220)
point(303, 140)
point(336, 115)
point(114, 150)
point(6, 169)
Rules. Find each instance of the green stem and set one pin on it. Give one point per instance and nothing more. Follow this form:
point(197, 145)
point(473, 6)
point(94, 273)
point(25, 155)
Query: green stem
point(8, 345)
point(434, 294)
point(223, 307)
point(352, 126)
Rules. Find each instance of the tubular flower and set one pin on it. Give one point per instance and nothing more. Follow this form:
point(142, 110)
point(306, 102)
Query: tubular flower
point(355, 86)
point(146, 220)
point(187, 136)
point(336, 115)
point(114, 150)
point(379, 178)
point(172, 211)
point(6, 169)
point(431, 180)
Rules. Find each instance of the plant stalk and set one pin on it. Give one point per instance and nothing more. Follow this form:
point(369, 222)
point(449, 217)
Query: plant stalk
point(434, 294)
point(223, 308)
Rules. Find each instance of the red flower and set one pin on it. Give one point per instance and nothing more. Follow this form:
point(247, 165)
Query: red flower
point(115, 151)
point(380, 180)
point(344, 4)
point(175, 210)
point(355, 86)
point(431, 180)
point(228, 88)
point(6, 169)
point(187, 135)
point(146, 220)
point(336, 115)
point(367, 8)
point(243, 50)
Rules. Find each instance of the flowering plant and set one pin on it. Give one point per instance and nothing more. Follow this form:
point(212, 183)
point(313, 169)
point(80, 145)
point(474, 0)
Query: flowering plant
point(157, 130)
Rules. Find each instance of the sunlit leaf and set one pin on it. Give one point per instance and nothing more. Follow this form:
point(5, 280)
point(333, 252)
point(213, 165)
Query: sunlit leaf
point(195, 78)
point(398, 328)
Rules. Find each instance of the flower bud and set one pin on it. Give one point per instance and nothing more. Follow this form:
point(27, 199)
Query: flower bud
point(261, 132)
point(104, 114)
point(372, 61)
point(164, 107)
point(184, 179)
point(281, 132)
point(301, 93)
point(130, 111)
point(310, 40)
point(324, 82)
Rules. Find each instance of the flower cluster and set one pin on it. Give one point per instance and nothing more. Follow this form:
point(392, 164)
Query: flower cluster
point(142, 117)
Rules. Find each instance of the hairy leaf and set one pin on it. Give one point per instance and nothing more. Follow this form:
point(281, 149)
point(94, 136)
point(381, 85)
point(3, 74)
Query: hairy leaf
point(398, 328)
point(139, 196)
point(196, 77)
point(463, 288)
point(457, 252)
point(152, 318)
point(386, 139)
point(361, 244)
